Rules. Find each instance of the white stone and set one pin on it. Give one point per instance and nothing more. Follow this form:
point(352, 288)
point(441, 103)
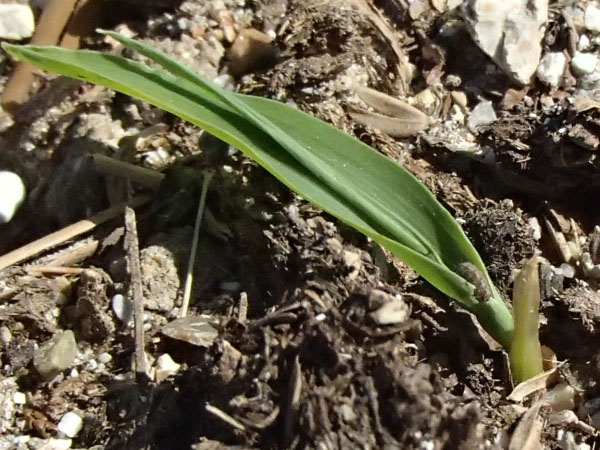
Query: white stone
point(510, 32)
point(391, 313)
point(583, 43)
point(13, 194)
point(104, 358)
point(584, 63)
point(70, 424)
point(19, 398)
point(16, 21)
point(165, 367)
point(592, 18)
point(552, 68)
point(483, 114)
point(123, 308)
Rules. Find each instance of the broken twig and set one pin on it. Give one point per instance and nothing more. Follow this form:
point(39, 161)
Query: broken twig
point(135, 273)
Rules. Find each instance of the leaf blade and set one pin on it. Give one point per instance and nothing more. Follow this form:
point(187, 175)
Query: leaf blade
point(350, 180)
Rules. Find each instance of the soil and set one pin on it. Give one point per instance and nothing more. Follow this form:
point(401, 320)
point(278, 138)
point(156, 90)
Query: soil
point(282, 348)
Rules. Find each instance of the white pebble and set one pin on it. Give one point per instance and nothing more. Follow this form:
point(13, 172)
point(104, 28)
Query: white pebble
point(225, 81)
point(482, 114)
point(5, 335)
point(592, 18)
point(70, 424)
point(551, 68)
point(13, 194)
point(19, 398)
point(16, 21)
point(104, 358)
point(123, 308)
point(165, 367)
point(320, 317)
point(583, 43)
point(584, 63)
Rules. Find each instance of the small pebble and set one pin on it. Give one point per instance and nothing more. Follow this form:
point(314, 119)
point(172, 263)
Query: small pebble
point(391, 313)
point(13, 192)
point(104, 358)
point(19, 398)
point(250, 50)
point(5, 335)
point(584, 63)
point(551, 68)
point(165, 367)
point(483, 114)
point(123, 308)
point(225, 81)
point(584, 43)
point(592, 18)
point(55, 355)
point(16, 21)
point(567, 270)
point(70, 424)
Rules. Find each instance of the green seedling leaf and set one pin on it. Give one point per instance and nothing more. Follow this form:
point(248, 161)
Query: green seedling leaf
point(327, 167)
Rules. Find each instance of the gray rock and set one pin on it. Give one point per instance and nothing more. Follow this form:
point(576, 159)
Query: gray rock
point(16, 21)
point(160, 278)
point(483, 114)
point(552, 68)
point(510, 32)
point(194, 330)
point(55, 355)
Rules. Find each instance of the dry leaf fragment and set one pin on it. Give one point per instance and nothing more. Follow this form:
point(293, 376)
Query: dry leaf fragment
point(530, 386)
point(395, 127)
point(194, 330)
point(387, 104)
point(398, 118)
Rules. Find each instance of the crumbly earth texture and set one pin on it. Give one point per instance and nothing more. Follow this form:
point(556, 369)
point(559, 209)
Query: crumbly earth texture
point(301, 332)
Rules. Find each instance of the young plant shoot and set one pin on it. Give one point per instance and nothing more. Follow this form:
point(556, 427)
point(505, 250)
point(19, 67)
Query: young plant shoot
point(327, 167)
point(525, 350)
